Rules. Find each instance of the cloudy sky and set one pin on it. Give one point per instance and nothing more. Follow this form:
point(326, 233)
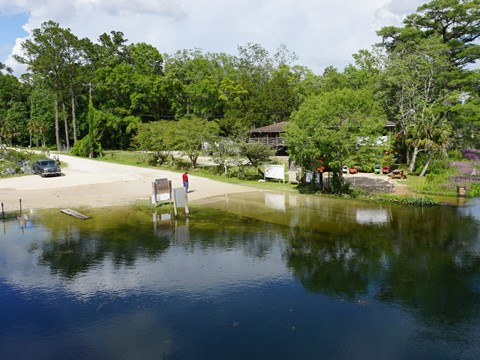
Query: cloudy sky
point(320, 32)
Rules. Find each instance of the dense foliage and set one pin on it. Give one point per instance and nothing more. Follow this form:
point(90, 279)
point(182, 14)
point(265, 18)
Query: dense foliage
point(113, 94)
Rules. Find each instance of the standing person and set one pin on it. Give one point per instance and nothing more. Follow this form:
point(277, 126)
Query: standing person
point(185, 180)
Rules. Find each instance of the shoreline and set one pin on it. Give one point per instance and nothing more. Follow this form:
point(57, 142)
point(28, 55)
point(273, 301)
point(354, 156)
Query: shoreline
point(90, 183)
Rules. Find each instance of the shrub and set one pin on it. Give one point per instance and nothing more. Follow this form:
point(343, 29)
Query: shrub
point(471, 154)
point(400, 200)
point(474, 190)
point(439, 166)
point(84, 146)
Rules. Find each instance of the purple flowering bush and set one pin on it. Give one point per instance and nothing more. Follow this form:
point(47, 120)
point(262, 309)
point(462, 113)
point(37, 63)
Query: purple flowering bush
point(466, 168)
point(471, 154)
point(466, 173)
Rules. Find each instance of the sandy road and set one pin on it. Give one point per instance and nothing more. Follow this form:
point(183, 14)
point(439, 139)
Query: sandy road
point(92, 183)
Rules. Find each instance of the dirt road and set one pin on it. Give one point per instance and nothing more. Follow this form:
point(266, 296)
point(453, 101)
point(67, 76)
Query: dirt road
point(92, 183)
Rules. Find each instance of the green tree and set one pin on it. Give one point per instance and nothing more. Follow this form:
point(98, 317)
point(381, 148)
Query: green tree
point(417, 78)
point(456, 24)
point(40, 124)
point(15, 122)
point(191, 135)
point(90, 144)
point(257, 153)
point(193, 83)
point(157, 139)
point(147, 98)
point(53, 54)
point(332, 127)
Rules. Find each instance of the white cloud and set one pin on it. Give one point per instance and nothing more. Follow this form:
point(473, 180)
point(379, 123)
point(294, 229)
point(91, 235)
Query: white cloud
point(320, 32)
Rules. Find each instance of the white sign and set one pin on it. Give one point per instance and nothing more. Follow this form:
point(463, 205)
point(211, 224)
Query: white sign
point(275, 172)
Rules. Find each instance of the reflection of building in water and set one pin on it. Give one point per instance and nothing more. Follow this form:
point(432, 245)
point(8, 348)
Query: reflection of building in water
point(275, 201)
point(165, 225)
point(372, 216)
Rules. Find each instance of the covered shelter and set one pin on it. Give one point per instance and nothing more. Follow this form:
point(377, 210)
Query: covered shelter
point(270, 135)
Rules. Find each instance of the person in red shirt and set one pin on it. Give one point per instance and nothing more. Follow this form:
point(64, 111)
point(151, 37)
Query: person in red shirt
point(185, 180)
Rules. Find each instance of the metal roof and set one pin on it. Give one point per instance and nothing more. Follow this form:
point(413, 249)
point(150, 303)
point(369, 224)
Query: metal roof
point(274, 128)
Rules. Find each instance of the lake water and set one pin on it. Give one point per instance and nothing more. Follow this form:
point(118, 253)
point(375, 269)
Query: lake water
point(251, 276)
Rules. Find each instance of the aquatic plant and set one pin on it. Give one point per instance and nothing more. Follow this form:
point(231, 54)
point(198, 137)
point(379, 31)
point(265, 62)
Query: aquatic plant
point(400, 200)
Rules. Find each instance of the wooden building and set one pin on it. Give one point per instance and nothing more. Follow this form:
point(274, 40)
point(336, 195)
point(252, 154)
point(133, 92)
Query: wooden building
point(270, 135)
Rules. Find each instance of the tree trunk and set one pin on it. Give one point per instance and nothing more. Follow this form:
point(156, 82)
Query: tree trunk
point(424, 170)
point(411, 166)
point(65, 123)
point(74, 116)
point(57, 125)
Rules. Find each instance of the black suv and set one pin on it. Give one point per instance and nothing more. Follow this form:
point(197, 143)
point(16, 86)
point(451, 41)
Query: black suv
point(46, 167)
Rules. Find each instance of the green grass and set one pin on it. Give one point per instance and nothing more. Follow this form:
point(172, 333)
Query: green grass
point(249, 177)
point(414, 182)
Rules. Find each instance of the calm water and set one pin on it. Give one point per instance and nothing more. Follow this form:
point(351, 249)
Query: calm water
point(251, 276)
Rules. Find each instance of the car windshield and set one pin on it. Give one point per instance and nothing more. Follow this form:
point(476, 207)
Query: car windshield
point(47, 162)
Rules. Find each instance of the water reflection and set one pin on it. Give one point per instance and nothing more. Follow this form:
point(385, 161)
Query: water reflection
point(288, 269)
point(423, 258)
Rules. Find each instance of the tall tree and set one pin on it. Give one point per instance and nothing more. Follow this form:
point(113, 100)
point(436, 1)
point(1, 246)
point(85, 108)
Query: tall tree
point(40, 124)
point(456, 24)
point(332, 126)
point(417, 78)
point(52, 53)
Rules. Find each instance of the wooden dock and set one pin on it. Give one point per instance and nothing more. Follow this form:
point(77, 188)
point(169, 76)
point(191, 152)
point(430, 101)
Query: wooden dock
point(22, 219)
point(75, 214)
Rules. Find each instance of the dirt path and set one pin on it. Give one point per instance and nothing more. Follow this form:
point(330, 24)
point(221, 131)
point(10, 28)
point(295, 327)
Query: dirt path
point(94, 183)
point(378, 183)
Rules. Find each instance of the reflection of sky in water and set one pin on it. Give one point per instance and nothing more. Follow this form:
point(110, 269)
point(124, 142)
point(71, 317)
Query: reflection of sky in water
point(372, 216)
point(471, 209)
point(349, 288)
point(197, 269)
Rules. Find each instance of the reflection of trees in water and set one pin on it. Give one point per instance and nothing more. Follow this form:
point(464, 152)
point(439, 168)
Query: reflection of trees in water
point(77, 245)
point(214, 229)
point(423, 260)
point(124, 236)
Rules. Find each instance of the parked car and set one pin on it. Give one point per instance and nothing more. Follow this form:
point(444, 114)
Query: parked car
point(386, 169)
point(345, 169)
point(376, 169)
point(353, 170)
point(46, 167)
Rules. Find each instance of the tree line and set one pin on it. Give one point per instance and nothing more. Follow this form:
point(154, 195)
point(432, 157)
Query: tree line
point(113, 94)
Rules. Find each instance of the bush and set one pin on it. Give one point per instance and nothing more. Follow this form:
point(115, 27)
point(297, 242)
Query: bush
point(471, 154)
point(473, 190)
point(84, 146)
point(399, 200)
point(439, 166)
point(16, 162)
point(455, 155)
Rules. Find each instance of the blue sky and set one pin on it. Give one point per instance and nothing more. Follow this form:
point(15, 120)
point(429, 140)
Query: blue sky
point(10, 30)
point(321, 33)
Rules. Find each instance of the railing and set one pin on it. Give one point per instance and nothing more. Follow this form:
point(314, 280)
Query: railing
point(275, 142)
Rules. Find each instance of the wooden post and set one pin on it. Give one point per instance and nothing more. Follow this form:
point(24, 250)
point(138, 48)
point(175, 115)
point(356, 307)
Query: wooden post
point(461, 191)
point(20, 206)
